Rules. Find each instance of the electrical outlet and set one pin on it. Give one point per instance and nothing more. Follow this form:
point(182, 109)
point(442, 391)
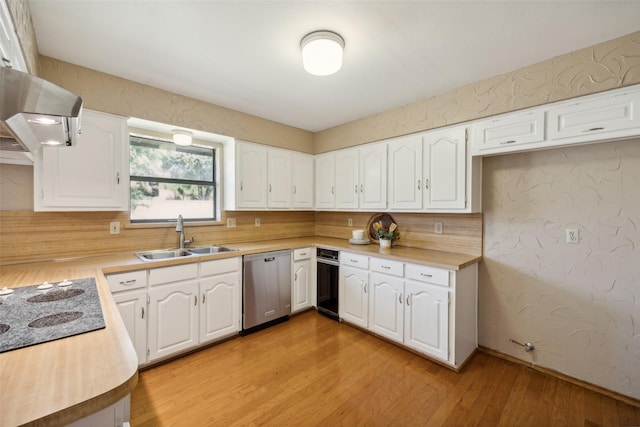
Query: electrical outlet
point(572, 235)
point(257, 222)
point(350, 222)
point(114, 228)
point(437, 228)
point(231, 223)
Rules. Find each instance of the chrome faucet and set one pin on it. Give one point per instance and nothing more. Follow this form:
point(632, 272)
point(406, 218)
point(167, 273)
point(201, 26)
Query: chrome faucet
point(180, 229)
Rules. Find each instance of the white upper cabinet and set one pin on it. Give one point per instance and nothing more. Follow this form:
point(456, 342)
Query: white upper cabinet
point(251, 175)
point(93, 175)
point(444, 169)
point(325, 181)
point(502, 133)
point(258, 177)
point(429, 172)
point(279, 183)
point(302, 178)
point(346, 180)
point(405, 173)
point(595, 118)
point(373, 176)
point(10, 50)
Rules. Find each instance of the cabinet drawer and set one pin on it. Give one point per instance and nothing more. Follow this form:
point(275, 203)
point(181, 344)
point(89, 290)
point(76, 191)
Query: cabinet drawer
point(423, 273)
point(219, 266)
point(176, 273)
point(354, 260)
point(300, 254)
point(504, 132)
point(127, 281)
point(386, 266)
point(597, 116)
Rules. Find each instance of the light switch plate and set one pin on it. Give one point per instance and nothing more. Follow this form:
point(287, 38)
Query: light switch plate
point(231, 223)
point(114, 228)
point(572, 235)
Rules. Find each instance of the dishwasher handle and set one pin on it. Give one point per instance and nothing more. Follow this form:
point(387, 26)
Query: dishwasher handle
point(271, 258)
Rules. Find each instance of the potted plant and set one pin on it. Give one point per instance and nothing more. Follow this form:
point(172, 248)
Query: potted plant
point(386, 235)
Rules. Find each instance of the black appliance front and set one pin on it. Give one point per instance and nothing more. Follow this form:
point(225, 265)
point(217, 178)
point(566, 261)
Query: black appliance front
point(328, 268)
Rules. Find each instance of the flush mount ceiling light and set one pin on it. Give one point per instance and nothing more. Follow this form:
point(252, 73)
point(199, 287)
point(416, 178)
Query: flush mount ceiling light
point(182, 137)
point(322, 52)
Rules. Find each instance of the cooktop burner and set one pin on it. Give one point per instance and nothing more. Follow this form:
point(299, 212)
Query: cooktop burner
point(40, 313)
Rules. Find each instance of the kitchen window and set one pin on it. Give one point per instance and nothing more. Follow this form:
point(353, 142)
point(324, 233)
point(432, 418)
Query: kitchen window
point(169, 180)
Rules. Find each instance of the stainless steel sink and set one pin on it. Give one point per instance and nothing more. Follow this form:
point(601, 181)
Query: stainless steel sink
point(181, 253)
point(207, 250)
point(163, 254)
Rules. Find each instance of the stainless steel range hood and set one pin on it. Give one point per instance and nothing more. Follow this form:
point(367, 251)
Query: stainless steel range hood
point(37, 112)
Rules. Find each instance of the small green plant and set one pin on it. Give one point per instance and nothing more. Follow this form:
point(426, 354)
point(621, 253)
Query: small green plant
point(390, 233)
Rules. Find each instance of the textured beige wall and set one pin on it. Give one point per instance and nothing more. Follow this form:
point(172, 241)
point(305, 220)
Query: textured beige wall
point(21, 14)
point(578, 303)
point(605, 66)
point(104, 92)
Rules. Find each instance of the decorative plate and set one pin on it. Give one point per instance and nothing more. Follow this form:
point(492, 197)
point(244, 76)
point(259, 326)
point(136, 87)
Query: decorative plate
point(386, 219)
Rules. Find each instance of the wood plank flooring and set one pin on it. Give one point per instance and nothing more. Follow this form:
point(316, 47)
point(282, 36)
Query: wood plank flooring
point(314, 371)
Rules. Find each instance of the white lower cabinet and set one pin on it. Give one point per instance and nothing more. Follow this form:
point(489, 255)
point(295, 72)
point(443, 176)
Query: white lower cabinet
point(302, 282)
point(430, 310)
point(353, 296)
point(169, 310)
point(386, 306)
point(426, 319)
point(173, 318)
point(130, 295)
point(220, 299)
point(132, 306)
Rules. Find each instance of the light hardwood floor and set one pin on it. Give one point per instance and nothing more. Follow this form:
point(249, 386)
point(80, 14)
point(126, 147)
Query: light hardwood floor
point(314, 371)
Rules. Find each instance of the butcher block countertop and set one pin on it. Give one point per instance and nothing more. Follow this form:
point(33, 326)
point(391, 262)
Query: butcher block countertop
point(57, 382)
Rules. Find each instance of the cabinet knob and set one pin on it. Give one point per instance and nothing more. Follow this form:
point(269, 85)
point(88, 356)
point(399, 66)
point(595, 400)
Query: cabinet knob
point(593, 129)
point(419, 182)
point(426, 184)
point(143, 312)
point(195, 300)
point(203, 298)
point(408, 297)
point(294, 189)
point(400, 298)
point(269, 188)
point(356, 188)
point(508, 142)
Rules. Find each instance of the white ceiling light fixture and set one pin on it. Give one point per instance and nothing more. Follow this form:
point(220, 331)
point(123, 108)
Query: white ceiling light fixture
point(182, 137)
point(322, 52)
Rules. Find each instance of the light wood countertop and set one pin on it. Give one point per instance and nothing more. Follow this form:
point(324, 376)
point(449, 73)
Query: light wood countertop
point(60, 381)
point(57, 382)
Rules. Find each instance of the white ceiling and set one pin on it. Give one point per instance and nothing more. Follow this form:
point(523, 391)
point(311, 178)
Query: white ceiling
point(245, 55)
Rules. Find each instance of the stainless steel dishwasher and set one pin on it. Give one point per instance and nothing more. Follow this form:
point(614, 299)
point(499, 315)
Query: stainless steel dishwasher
point(266, 295)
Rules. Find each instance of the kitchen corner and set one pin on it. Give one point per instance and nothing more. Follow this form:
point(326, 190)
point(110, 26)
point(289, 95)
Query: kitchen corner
point(61, 381)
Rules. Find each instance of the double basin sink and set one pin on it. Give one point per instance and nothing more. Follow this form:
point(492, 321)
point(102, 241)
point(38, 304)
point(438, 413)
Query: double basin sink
point(181, 253)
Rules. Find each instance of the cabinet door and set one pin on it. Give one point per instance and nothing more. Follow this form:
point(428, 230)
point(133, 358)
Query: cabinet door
point(325, 181)
point(386, 306)
point(444, 169)
point(426, 319)
point(133, 310)
point(302, 178)
point(347, 176)
point(92, 175)
point(173, 318)
point(219, 306)
point(279, 173)
point(595, 117)
point(373, 176)
point(501, 133)
point(405, 173)
point(252, 176)
point(353, 303)
point(301, 289)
